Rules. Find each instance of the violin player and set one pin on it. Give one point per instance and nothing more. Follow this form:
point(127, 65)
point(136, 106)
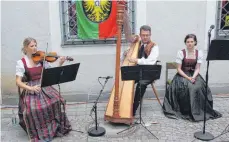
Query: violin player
point(39, 112)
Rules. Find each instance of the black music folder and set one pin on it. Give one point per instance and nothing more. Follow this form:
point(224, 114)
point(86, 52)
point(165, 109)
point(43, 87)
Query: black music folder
point(57, 75)
point(218, 50)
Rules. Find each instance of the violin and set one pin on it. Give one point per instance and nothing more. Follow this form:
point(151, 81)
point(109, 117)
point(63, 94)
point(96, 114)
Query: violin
point(49, 57)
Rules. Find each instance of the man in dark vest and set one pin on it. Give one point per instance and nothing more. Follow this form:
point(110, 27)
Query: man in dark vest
point(148, 54)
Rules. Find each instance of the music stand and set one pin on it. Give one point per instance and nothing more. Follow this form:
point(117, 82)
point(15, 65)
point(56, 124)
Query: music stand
point(138, 73)
point(218, 50)
point(58, 75)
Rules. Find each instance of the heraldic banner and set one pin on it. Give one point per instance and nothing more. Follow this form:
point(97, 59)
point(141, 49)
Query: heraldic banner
point(96, 19)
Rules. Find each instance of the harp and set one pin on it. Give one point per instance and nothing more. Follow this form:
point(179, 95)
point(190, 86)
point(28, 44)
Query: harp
point(119, 107)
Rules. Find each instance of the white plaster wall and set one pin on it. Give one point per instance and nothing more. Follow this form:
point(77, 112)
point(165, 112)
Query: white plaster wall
point(1, 54)
point(20, 19)
point(218, 70)
point(170, 22)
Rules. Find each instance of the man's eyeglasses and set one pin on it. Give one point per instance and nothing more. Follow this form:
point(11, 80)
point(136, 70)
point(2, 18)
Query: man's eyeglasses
point(147, 35)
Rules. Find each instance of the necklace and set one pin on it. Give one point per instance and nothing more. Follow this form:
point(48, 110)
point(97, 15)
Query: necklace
point(191, 54)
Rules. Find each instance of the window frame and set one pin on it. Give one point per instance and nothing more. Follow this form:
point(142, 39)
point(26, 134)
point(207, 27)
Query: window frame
point(73, 40)
point(220, 33)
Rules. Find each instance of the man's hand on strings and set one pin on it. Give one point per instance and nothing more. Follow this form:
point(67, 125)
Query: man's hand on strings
point(126, 52)
point(134, 39)
point(62, 60)
point(35, 88)
point(133, 60)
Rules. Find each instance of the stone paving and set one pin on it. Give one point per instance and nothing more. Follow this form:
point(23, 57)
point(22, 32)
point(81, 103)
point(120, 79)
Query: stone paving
point(165, 129)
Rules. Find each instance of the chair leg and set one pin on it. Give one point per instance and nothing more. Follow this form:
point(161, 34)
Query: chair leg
point(156, 94)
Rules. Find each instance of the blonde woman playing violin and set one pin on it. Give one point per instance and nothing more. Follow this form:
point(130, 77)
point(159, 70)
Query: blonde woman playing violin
point(39, 108)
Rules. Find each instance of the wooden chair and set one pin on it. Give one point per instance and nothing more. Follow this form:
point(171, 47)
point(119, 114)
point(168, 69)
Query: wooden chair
point(20, 92)
point(155, 91)
point(169, 65)
point(24, 79)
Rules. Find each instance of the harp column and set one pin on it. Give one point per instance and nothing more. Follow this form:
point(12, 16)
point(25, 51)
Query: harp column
point(120, 12)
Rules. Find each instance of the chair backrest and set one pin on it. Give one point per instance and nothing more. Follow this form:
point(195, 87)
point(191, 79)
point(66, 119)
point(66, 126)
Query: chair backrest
point(158, 61)
point(171, 65)
point(24, 79)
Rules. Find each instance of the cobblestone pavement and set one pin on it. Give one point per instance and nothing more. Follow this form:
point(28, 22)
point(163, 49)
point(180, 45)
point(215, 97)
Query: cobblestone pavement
point(166, 130)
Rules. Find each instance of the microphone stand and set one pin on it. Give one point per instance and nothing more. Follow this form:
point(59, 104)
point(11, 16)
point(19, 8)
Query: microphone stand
point(97, 131)
point(64, 104)
point(202, 135)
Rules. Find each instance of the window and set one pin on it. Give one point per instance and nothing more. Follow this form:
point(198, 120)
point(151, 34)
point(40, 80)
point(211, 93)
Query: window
point(223, 19)
point(69, 24)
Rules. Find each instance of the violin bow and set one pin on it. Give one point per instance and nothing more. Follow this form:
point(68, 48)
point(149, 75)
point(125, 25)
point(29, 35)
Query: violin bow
point(43, 64)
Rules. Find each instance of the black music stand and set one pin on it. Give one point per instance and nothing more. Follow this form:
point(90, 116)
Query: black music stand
point(138, 73)
point(58, 75)
point(218, 50)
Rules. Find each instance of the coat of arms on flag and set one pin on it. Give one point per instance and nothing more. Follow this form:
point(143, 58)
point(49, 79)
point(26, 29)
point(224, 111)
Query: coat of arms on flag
point(227, 21)
point(96, 19)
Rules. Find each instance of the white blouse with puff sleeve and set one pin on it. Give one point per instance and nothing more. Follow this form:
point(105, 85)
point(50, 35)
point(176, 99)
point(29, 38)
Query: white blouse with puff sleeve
point(20, 70)
point(180, 56)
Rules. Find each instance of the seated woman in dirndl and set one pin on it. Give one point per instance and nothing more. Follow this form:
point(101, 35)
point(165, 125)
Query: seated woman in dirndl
point(185, 95)
point(40, 109)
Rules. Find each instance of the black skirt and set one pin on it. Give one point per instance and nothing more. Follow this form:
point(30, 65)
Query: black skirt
point(185, 100)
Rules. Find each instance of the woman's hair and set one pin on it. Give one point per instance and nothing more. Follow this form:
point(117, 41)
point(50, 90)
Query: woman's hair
point(26, 42)
point(190, 36)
